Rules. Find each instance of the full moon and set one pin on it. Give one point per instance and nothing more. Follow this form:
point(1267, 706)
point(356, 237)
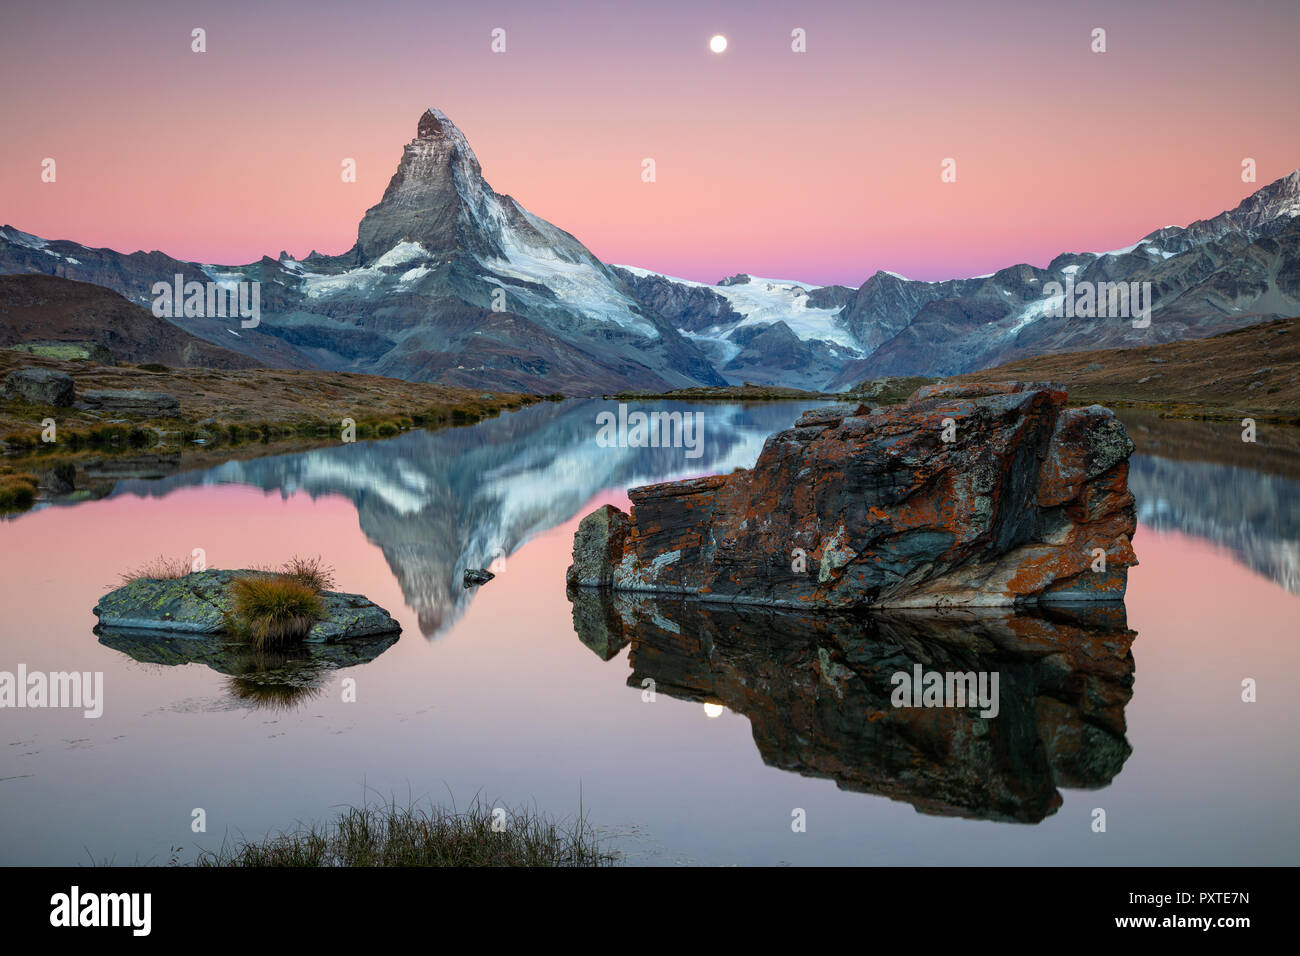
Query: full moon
point(718, 43)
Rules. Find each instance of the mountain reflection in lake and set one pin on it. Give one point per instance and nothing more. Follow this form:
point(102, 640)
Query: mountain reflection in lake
point(440, 502)
point(756, 714)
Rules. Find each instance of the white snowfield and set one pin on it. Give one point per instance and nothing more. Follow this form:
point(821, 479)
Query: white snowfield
point(764, 301)
point(361, 280)
point(579, 283)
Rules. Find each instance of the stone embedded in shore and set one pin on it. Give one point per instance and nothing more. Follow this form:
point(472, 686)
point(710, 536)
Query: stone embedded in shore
point(132, 402)
point(40, 386)
point(200, 604)
point(966, 495)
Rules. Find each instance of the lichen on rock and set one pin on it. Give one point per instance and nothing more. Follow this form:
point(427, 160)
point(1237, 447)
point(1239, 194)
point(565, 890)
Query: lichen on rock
point(1027, 503)
point(200, 604)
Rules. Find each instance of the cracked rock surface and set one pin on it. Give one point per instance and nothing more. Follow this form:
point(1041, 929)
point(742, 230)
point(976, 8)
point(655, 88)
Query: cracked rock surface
point(992, 494)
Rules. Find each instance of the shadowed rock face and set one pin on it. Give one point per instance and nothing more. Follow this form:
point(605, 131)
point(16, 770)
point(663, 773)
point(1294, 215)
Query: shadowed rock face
point(853, 507)
point(817, 689)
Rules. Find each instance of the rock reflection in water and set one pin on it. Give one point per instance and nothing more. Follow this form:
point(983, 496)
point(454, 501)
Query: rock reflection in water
point(816, 689)
point(264, 680)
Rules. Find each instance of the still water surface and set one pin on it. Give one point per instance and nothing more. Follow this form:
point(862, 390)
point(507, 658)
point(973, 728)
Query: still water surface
point(496, 692)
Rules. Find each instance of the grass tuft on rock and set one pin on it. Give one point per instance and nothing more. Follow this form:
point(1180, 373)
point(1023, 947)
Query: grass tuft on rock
point(272, 610)
point(312, 572)
point(159, 569)
point(389, 835)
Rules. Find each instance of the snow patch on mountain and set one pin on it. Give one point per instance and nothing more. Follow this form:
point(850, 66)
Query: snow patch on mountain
point(20, 238)
point(763, 301)
point(411, 275)
point(401, 254)
point(1035, 309)
point(578, 286)
point(359, 281)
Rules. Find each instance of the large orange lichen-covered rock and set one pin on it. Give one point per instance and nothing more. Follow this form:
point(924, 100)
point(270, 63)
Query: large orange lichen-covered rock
point(974, 495)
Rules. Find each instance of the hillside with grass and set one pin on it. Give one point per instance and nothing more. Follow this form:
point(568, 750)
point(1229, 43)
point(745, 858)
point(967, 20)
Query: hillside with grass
point(1254, 371)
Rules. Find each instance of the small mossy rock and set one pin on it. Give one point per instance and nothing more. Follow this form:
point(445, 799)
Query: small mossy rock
point(238, 658)
point(200, 603)
point(40, 386)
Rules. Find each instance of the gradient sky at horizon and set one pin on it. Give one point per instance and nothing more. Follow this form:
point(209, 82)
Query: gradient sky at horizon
point(822, 166)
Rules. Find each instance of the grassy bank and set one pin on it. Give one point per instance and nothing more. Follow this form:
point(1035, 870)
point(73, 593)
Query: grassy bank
point(240, 405)
point(1250, 372)
point(222, 414)
point(389, 835)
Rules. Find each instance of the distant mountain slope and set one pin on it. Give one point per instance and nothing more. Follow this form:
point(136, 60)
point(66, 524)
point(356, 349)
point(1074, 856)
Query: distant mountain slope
point(1240, 267)
point(39, 308)
point(769, 331)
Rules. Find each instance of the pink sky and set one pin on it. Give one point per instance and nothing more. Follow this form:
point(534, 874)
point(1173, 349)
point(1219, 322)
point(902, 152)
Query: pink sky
point(821, 166)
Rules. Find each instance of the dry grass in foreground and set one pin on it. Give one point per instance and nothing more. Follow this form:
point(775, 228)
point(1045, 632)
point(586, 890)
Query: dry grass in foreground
point(389, 835)
point(17, 490)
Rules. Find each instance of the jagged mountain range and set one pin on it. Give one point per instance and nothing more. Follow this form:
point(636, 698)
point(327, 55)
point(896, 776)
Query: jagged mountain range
point(451, 281)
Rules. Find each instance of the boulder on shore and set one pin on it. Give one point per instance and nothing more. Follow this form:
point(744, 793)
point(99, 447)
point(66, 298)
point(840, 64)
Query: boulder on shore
point(200, 604)
point(965, 495)
point(40, 386)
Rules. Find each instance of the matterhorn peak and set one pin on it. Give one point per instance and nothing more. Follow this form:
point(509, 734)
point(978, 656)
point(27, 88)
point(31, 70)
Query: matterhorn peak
point(436, 125)
point(425, 199)
point(431, 121)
